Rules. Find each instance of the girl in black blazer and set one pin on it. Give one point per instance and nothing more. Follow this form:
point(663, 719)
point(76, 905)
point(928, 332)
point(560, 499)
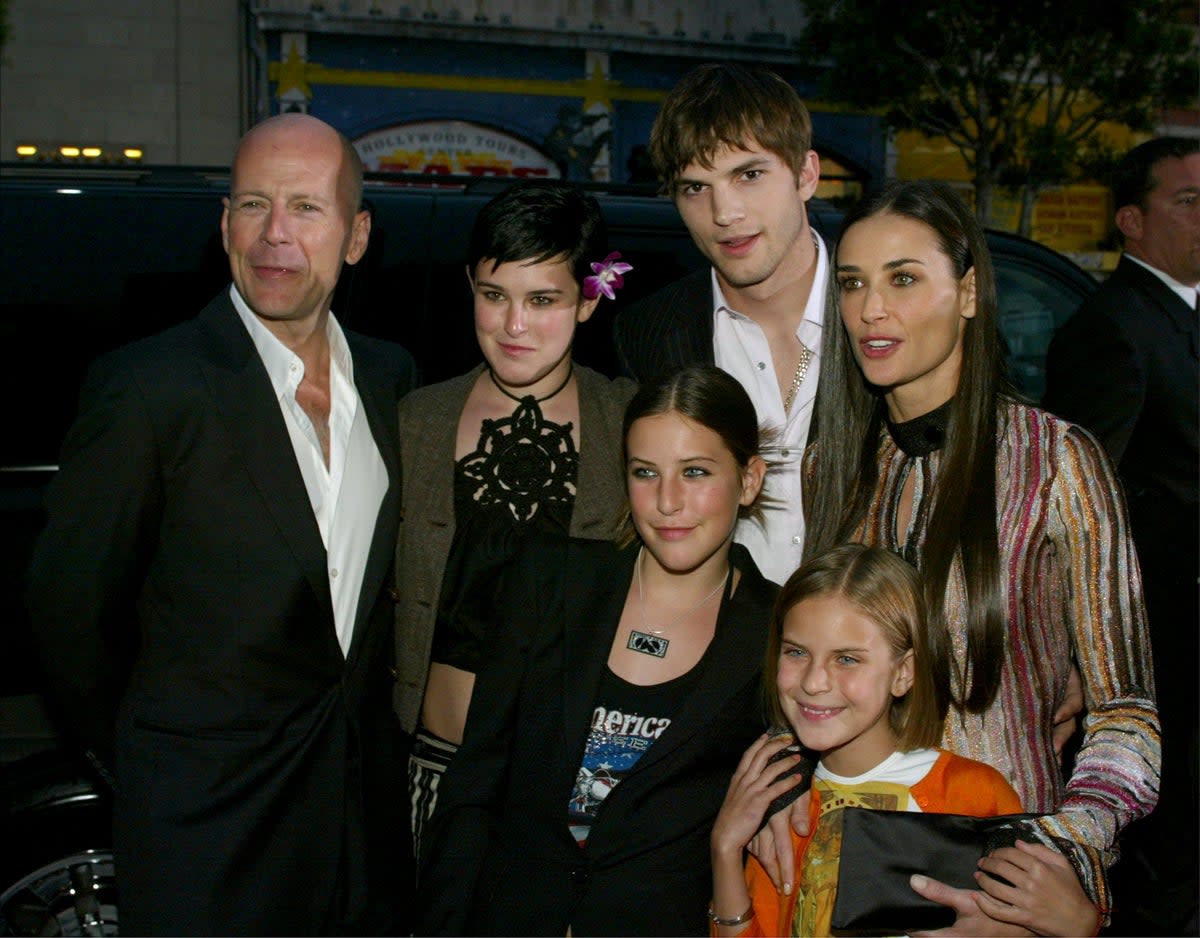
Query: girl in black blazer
point(616, 697)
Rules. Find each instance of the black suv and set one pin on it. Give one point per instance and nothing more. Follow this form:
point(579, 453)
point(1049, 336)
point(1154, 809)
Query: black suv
point(92, 259)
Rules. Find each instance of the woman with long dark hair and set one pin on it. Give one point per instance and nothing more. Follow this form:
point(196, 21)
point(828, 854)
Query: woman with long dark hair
point(1013, 517)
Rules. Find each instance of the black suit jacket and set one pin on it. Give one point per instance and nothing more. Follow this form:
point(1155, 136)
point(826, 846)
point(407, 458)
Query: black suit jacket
point(500, 858)
point(667, 330)
point(180, 600)
point(1125, 366)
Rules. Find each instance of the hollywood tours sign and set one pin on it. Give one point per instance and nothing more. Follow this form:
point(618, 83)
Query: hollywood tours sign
point(452, 148)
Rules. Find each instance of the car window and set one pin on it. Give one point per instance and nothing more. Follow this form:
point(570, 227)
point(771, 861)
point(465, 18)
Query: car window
point(1034, 301)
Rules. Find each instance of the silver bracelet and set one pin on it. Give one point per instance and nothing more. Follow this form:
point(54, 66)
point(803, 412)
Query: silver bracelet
point(730, 922)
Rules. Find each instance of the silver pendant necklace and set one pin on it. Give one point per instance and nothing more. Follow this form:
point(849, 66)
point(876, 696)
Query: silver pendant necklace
point(650, 641)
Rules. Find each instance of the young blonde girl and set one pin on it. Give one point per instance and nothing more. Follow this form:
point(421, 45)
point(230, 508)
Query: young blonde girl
point(849, 671)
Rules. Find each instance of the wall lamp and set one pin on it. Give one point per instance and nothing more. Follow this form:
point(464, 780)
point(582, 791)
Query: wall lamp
point(78, 153)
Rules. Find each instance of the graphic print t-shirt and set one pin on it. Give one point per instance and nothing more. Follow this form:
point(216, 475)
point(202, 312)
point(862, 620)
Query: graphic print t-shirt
point(886, 787)
point(626, 721)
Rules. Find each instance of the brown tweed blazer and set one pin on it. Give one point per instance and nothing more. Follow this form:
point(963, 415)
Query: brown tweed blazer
point(428, 428)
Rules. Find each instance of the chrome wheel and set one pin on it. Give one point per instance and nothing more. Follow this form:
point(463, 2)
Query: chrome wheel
point(75, 895)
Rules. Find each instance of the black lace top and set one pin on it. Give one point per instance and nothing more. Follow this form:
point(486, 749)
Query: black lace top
point(520, 478)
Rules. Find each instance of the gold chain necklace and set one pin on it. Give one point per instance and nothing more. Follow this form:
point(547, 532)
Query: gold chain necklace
point(806, 356)
point(650, 641)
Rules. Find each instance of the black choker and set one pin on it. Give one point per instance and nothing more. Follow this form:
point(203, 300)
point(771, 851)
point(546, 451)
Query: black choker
point(922, 435)
point(536, 400)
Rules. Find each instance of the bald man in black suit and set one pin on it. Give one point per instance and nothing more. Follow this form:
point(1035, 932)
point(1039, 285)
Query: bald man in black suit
point(210, 592)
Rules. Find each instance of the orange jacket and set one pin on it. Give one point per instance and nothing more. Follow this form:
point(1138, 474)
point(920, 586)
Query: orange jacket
point(954, 785)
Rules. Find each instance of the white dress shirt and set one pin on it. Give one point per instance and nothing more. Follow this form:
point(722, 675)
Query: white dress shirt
point(345, 495)
point(1189, 294)
point(740, 347)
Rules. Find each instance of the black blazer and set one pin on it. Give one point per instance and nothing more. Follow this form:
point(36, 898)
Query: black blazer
point(179, 593)
point(1125, 366)
point(667, 330)
point(499, 858)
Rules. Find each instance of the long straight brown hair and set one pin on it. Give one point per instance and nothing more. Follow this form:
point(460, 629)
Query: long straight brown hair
point(852, 412)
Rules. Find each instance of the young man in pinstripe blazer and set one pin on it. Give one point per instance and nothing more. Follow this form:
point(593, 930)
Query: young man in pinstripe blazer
point(733, 146)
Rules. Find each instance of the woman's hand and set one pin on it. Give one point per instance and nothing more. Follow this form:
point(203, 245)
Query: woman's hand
point(969, 919)
point(772, 845)
point(1045, 894)
point(754, 785)
point(1066, 717)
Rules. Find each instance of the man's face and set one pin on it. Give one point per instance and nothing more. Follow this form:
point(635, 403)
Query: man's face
point(287, 225)
point(1166, 233)
point(747, 215)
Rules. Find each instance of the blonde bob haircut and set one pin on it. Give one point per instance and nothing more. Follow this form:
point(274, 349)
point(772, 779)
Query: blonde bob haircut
point(883, 587)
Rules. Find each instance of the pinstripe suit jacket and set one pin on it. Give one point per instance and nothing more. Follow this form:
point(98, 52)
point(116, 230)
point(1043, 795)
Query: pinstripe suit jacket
point(428, 429)
point(669, 329)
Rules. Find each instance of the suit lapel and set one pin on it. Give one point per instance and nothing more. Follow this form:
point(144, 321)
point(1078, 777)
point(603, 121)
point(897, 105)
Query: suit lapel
point(734, 657)
point(433, 435)
point(600, 487)
point(245, 399)
point(595, 595)
point(693, 334)
point(1178, 314)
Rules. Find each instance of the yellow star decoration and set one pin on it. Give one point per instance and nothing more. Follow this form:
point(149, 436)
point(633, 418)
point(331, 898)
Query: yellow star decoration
point(292, 74)
point(597, 89)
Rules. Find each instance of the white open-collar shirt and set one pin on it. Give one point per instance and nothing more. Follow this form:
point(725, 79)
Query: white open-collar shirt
point(345, 495)
point(740, 347)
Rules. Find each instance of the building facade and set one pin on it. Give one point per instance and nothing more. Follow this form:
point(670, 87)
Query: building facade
point(559, 88)
point(166, 79)
point(567, 88)
point(484, 87)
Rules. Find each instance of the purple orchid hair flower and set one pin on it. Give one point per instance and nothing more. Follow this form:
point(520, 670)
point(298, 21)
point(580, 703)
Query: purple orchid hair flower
point(609, 277)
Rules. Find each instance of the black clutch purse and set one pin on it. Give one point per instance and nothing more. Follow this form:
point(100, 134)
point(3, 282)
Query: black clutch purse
point(882, 849)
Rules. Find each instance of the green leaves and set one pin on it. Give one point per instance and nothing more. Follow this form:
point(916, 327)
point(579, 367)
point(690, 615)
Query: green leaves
point(1020, 87)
